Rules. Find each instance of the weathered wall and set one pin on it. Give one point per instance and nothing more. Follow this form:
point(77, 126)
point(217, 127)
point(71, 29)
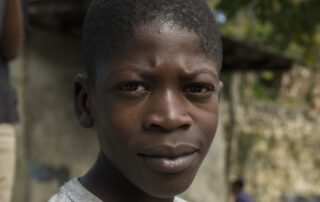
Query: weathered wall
point(52, 147)
point(278, 152)
point(55, 146)
point(277, 144)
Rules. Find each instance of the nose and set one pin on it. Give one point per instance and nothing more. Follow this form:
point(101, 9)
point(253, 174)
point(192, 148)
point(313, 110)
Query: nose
point(167, 113)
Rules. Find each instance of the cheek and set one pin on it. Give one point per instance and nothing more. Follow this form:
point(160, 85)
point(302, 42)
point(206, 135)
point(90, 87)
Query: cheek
point(117, 123)
point(207, 123)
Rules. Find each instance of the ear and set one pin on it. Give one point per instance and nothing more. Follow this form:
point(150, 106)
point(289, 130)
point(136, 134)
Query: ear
point(81, 98)
point(220, 87)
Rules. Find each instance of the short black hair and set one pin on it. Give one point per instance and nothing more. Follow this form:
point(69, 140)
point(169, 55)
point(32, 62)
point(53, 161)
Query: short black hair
point(238, 183)
point(109, 23)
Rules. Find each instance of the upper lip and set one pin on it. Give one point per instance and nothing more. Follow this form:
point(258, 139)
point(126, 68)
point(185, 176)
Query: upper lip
point(168, 151)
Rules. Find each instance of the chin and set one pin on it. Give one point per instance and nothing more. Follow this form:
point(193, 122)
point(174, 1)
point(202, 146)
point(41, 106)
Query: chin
point(169, 193)
point(170, 185)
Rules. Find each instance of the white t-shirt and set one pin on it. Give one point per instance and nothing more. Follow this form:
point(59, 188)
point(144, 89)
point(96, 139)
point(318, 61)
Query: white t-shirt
point(73, 191)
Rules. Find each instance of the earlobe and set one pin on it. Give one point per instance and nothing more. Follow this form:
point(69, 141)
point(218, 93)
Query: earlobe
point(82, 104)
point(220, 87)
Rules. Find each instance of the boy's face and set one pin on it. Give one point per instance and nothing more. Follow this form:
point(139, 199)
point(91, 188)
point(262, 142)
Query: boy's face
point(155, 108)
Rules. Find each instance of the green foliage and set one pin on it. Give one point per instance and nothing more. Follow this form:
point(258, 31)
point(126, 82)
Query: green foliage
point(267, 87)
point(309, 95)
point(267, 75)
point(289, 26)
point(296, 148)
point(246, 142)
point(260, 92)
point(226, 85)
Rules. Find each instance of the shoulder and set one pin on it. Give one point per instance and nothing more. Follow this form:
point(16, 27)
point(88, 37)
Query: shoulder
point(178, 199)
point(73, 191)
point(59, 198)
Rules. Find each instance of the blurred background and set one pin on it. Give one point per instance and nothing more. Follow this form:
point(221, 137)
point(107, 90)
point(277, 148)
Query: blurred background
point(270, 112)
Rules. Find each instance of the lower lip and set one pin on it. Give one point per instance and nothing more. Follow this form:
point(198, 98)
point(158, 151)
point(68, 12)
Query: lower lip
point(170, 165)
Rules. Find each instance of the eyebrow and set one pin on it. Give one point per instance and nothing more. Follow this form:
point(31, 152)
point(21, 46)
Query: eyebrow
point(131, 68)
point(194, 74)
point(188, 74)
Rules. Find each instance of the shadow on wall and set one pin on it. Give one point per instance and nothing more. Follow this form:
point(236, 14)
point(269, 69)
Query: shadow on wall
point(45, 172)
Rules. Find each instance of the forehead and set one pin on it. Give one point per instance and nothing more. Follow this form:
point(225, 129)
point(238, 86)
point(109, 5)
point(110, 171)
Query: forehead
point(156, 41)
point(158, 50)
point(167, 36)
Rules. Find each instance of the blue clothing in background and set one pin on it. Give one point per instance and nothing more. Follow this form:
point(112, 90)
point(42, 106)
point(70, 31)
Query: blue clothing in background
point(243, 197)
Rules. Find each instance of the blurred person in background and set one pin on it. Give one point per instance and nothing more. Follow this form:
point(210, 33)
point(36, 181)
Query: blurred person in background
point(11, 42)
point(237, 190)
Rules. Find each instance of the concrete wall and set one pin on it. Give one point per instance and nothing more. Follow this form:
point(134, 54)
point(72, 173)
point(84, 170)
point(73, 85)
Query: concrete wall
point(277, 144)
point(52, 147)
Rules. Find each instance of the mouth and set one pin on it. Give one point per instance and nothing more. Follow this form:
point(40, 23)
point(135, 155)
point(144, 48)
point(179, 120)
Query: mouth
point(169, 159)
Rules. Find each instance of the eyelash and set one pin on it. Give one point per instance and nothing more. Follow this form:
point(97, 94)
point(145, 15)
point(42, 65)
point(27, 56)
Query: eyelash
point(195, 90)
point(133, 87)
point(198, 86)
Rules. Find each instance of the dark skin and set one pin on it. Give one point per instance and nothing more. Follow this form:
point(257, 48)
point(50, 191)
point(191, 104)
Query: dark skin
point(12, 37)
point(155, 110)
point(235, 189)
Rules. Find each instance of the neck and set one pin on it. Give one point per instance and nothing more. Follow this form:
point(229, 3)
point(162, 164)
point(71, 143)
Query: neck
point(108, 184)
point(238, 191)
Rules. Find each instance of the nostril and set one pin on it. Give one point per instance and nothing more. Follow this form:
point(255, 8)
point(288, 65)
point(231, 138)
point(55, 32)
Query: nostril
point(166, 123)
point(155, 126)
point(159, 127)
point(185, 126)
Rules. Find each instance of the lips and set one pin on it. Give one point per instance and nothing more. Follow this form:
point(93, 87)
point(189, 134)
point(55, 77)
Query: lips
point(169, 159)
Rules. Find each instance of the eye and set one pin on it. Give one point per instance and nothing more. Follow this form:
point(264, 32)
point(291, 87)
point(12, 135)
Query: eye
point(198, 91)
point(133, 87)
point(198, 88)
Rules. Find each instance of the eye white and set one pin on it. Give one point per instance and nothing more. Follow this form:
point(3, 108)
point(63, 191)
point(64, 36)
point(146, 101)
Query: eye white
point(204, 90)
point(140, 88)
